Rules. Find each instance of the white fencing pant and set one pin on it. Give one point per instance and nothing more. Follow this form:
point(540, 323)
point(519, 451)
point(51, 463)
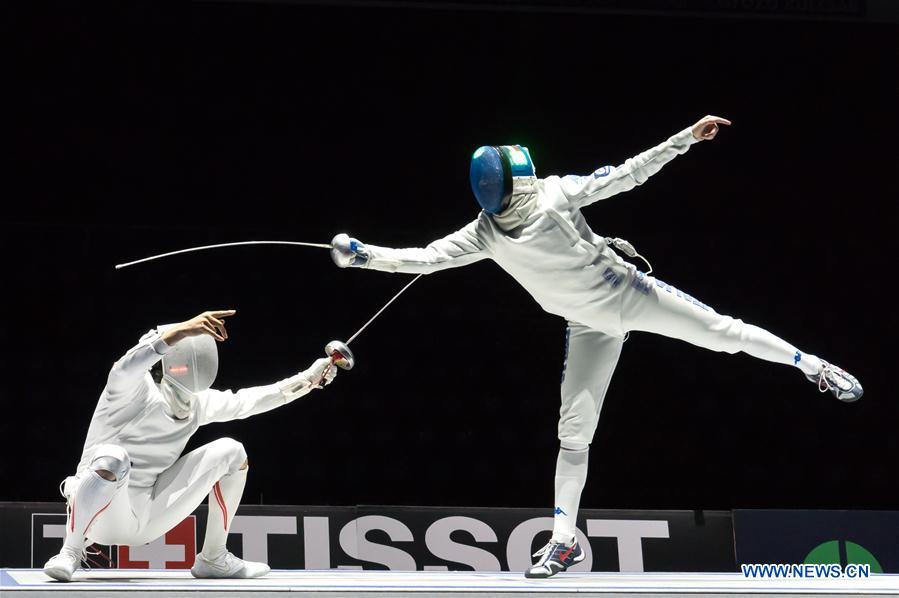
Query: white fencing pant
point(89, 495)
point(590, 360)
point(591, 356)
point(651, 305)
point(139, 515)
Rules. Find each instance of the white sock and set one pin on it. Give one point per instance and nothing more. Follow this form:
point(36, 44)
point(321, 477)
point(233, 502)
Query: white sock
point(91, 498)
point(764, 345)
point(223, 502)
point(571, 475)
point(809, 364)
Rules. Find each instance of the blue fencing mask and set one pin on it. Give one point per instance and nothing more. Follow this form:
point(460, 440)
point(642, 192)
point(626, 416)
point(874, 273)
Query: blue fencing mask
point(494, 170)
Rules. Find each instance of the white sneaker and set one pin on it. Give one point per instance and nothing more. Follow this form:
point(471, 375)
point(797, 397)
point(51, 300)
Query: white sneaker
point(555, 558)
point(838, 381)
point(63, 565)
point(228, 566)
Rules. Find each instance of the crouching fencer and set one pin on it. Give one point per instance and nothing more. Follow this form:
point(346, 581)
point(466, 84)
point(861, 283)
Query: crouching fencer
point(534, 230)
point(132, 484)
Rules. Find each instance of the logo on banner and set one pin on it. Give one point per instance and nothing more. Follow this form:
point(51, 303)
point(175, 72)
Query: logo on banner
point(411, 539)
point(175, 550)
point(833, 551)
point(818, 537)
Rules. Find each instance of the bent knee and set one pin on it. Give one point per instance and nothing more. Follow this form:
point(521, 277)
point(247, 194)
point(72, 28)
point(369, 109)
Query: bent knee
point(106, 475)
point(111, 462)
point(232, 452)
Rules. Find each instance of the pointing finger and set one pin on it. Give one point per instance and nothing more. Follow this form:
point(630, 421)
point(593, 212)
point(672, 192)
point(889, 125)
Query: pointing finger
point(219, 325)
point(212, 332)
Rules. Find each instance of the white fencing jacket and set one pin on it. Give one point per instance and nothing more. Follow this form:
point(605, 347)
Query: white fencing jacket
point(552, 253)
point(133, 413)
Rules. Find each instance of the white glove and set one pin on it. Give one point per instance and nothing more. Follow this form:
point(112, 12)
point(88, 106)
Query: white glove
point(319, 374)
point(348, 252)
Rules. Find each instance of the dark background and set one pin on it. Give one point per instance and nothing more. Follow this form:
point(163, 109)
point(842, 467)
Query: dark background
point(134, 129)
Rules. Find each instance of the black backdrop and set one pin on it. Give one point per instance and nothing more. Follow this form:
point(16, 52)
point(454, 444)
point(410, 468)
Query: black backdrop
point(136, 129)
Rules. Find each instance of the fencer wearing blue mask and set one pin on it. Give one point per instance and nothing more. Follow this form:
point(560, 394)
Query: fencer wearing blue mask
point(534, 230)
point(499, 172)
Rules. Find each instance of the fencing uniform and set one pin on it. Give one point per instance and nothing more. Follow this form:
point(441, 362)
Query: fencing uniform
point(138, 433)
point(544, 242)
point(534, 230)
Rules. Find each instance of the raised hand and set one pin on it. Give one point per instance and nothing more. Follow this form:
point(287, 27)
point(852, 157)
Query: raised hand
point(208, 322)
point(706, 127)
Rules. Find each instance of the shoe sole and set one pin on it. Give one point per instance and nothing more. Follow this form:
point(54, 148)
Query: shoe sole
point(260, 574)
point(58, 574)
point(850, 397)
point(530, 575)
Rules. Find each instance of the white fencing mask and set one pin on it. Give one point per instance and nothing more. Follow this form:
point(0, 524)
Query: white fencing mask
point(188, 369)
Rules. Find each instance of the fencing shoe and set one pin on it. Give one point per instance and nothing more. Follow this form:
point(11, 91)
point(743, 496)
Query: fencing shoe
point(838, 381)
point(227, 566)
point(555, 557)
point(63, 565)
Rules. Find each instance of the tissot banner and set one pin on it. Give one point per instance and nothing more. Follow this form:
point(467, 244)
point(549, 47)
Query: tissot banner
point(843, 537)
point(398, 538)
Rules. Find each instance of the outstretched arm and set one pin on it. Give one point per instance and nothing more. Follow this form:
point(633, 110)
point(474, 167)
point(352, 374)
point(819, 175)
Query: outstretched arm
point(610, 180)
point(220, 406)
point(463, 247)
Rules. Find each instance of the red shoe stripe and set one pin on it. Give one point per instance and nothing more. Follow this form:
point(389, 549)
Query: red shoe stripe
point(565, 554)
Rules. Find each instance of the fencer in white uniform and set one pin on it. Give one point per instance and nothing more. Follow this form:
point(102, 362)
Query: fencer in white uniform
point(534, 230)
point(132, 485)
